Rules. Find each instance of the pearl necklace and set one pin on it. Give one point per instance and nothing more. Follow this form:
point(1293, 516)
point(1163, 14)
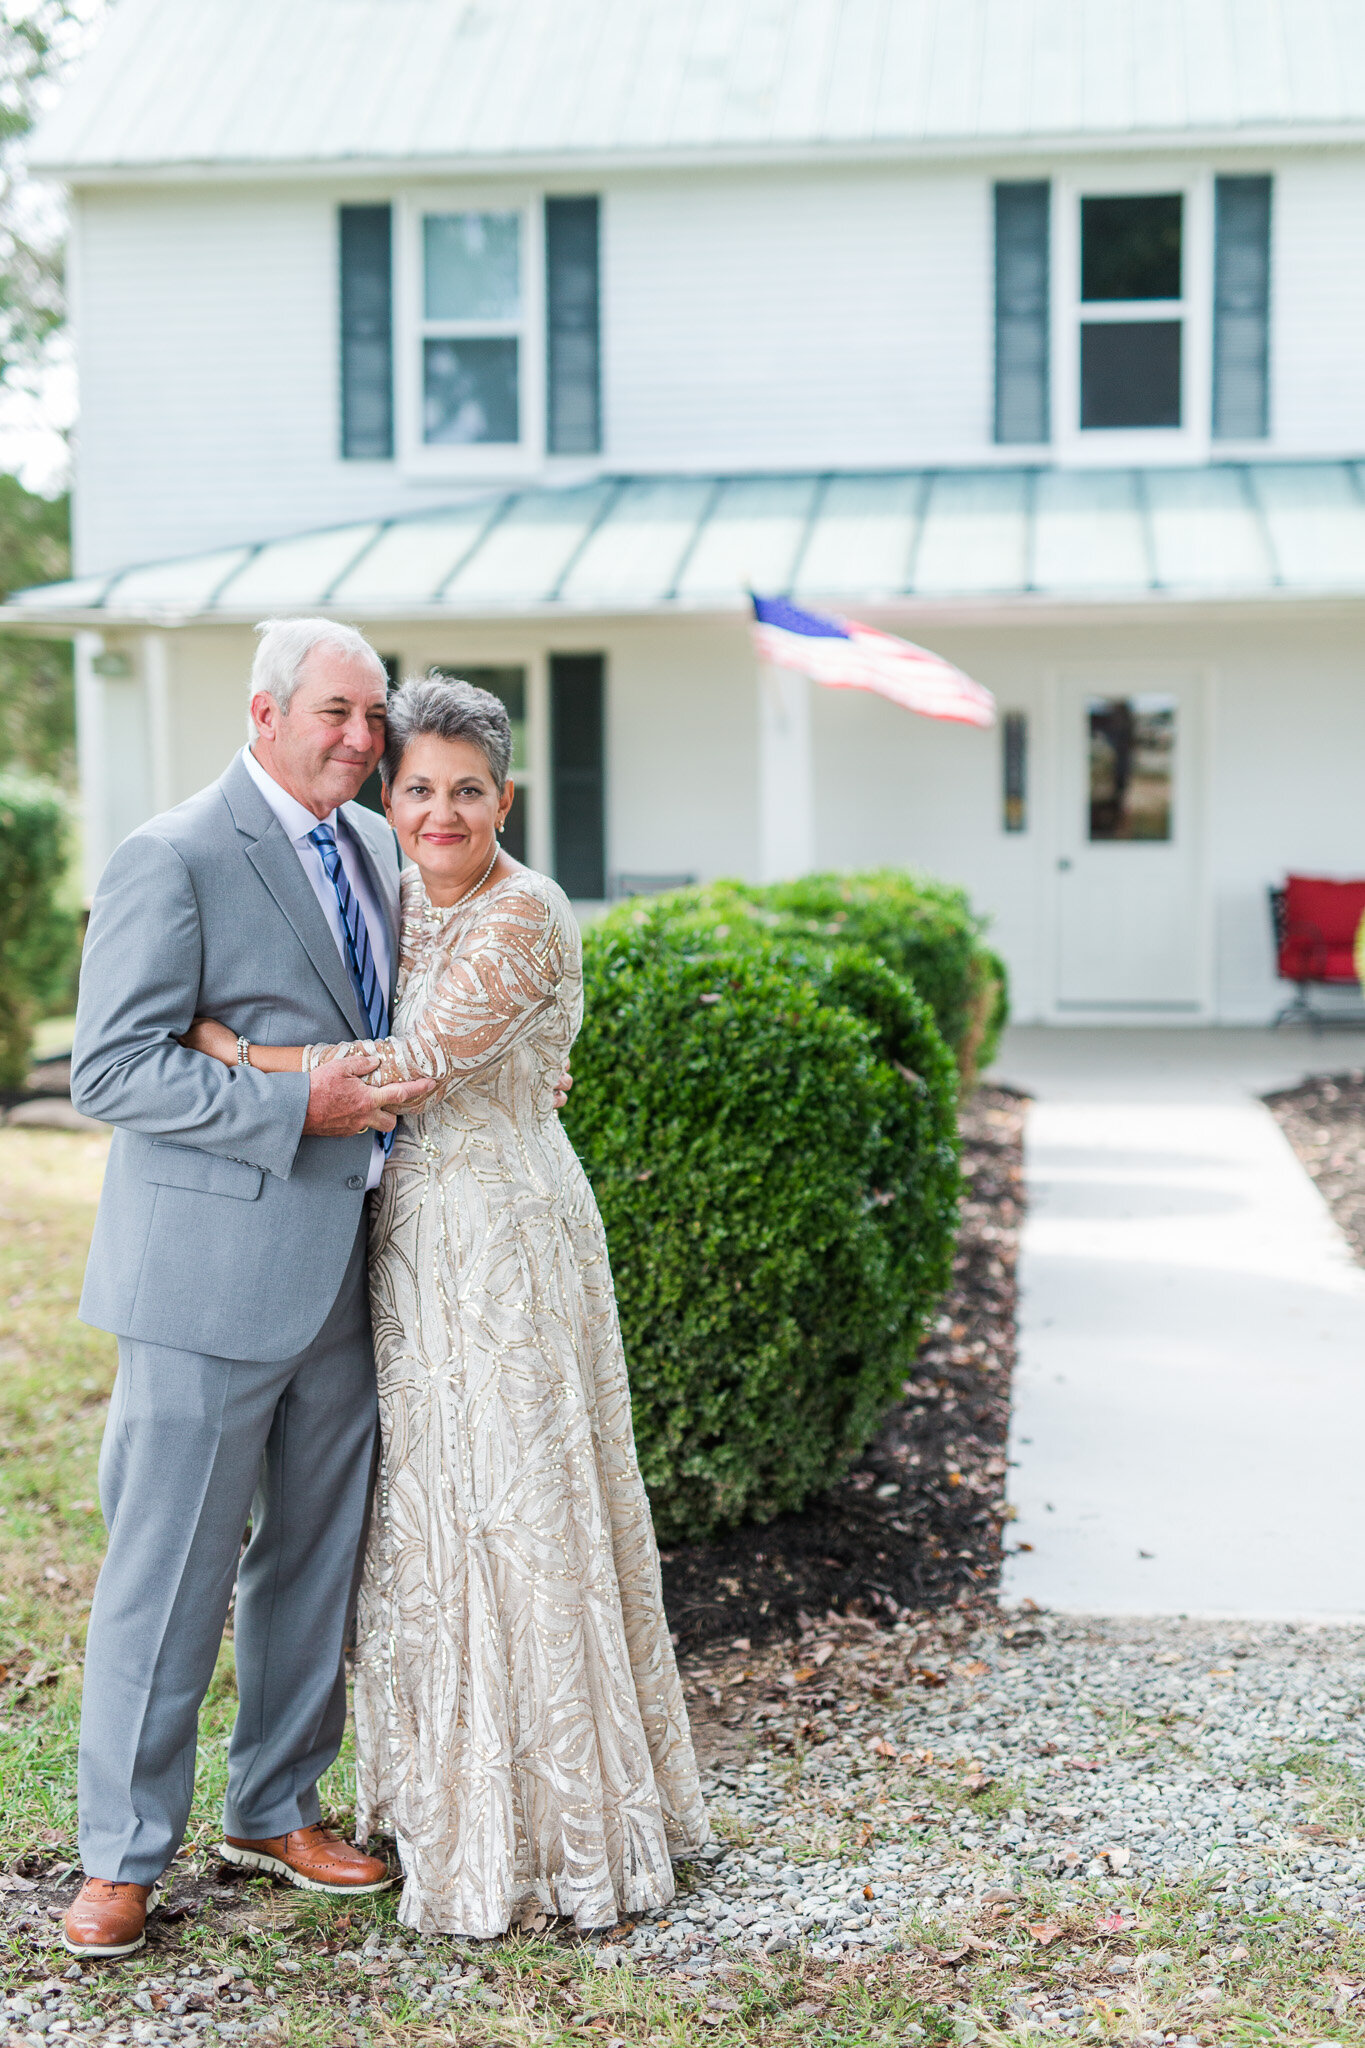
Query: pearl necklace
point(437, 913)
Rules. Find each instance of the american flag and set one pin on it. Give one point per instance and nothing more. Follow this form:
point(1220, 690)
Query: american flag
point(846, 656)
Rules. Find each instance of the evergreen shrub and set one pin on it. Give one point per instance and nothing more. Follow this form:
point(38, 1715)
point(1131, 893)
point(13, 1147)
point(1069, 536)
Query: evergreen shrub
point(39, 937)
point(769, 1125)
point(924, 929)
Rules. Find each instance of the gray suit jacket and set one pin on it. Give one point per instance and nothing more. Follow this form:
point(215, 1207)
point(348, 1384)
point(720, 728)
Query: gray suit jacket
point(221, 1229)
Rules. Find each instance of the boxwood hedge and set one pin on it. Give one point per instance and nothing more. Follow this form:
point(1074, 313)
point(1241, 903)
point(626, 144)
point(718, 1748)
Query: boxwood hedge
point(769, 1126)
point(923, 928)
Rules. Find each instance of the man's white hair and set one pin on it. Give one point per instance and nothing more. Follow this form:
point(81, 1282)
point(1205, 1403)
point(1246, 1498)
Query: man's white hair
point(286, 644)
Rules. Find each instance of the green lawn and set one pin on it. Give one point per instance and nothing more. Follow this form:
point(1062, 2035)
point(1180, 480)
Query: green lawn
point(335, 1973)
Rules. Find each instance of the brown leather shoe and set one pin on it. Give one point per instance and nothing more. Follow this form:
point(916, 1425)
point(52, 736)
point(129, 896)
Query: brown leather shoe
point(106, 1918)
point(313, 1858)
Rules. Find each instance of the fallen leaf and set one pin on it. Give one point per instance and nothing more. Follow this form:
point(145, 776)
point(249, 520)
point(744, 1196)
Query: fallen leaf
point(1110, 1923)
point(806, 1671)
point(1223, 1671)
point(978, 1781)
point(12, 1882)
point(1045, 1932)
point(976, 1670)
point(881, 1747)
point(947, 1959)
point(822, 1655)
point(1079, 1763)
point(1117, 1858)
point(867, 1891)
point(1240, 1954)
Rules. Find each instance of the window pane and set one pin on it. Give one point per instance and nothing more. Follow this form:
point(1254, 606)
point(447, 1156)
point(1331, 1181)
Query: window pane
point(1132, 762)
point(469, 390)
point(1014, 760)
point(1130, 248)
point(1130, 374)
point(505, 682)
point(472, 264)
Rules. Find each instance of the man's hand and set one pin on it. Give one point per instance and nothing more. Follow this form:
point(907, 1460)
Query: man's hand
point(562, 1087)
point(342, 1104)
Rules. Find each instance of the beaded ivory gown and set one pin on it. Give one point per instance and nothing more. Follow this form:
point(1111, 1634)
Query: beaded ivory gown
point(519, 1721)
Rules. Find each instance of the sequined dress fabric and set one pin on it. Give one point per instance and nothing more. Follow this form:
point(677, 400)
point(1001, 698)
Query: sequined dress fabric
point(520, 1725)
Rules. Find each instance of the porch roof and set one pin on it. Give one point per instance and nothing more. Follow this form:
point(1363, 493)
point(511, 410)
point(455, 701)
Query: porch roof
point(623, 545)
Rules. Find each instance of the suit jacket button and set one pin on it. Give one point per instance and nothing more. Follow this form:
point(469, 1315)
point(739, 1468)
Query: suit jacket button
point(355, 1180)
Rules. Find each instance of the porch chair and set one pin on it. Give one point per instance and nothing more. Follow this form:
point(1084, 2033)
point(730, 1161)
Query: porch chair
point(1315, 922)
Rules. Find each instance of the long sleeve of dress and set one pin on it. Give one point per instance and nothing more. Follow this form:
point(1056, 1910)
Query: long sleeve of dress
point(501, 973)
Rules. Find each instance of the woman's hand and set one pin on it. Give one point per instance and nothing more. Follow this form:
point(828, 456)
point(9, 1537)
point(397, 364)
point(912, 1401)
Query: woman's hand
point(204, 1035)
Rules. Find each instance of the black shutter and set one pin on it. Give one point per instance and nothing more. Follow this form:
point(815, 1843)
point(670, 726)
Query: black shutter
point(572, 326)
point(576, 756)
point(1022, 404)
point(366, 242)
point(1241, 309)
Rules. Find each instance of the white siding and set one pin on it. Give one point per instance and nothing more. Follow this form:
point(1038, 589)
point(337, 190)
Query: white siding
point(207, 350)
point(826, 319)
point(755, 320)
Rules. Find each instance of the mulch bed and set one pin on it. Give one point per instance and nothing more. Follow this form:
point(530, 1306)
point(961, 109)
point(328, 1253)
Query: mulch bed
point(917, 1524)
point(1324, 1120)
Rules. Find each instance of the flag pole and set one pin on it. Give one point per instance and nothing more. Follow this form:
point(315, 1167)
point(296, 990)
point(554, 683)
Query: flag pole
point(786, 774)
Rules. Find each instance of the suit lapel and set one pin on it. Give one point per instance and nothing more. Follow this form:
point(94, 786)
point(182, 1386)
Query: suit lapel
point(272, 855)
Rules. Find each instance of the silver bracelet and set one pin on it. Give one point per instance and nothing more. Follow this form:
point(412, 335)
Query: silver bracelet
point(243, 1051)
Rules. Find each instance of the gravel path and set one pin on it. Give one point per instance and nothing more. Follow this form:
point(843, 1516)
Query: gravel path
point(1104, 1753)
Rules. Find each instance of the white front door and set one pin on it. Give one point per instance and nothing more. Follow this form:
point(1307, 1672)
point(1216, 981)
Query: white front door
point(1130, 928)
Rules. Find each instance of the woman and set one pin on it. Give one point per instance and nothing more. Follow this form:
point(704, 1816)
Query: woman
point(519, 1721)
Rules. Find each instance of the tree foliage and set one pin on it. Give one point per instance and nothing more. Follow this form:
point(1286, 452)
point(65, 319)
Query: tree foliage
point(38, 936)
point(37, 704)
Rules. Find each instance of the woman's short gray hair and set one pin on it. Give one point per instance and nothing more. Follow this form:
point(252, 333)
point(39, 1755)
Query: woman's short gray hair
point(448, 710)
point(285, 645)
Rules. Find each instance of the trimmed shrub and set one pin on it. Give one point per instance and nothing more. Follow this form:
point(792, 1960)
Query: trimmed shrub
point(924, 929)
point(39, 938)
point(769, 1127)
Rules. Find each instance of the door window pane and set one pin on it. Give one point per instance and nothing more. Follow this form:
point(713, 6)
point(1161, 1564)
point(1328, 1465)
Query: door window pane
point(472, 266)
point(1130, 247)
point(1131, 767)
point(469, 390)
point(1130, 374)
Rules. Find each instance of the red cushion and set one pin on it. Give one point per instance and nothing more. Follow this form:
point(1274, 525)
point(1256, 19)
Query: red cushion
point(1320, 922)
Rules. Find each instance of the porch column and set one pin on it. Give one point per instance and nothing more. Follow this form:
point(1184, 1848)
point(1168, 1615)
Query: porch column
point(156, 684)
point(96, 842)
point(786, 779)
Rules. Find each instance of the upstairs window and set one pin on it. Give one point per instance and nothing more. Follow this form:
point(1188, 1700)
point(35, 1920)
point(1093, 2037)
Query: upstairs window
point(1132, 310)
point(472, 340)
point(1131, 320)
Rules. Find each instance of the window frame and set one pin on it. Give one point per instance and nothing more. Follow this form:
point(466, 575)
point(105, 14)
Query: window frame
point(1122, 447)
point(475, 459)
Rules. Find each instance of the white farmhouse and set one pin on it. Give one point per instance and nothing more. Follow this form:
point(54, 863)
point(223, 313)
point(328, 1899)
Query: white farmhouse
point(530, 334)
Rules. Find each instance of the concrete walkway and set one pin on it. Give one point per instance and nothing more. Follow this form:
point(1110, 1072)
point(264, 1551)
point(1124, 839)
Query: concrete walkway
point(1189, 1412)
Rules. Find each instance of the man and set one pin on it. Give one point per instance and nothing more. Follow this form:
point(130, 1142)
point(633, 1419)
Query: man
point(229, 1259)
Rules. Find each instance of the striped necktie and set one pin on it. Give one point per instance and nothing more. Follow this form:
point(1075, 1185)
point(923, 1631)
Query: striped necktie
point(360, 962)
